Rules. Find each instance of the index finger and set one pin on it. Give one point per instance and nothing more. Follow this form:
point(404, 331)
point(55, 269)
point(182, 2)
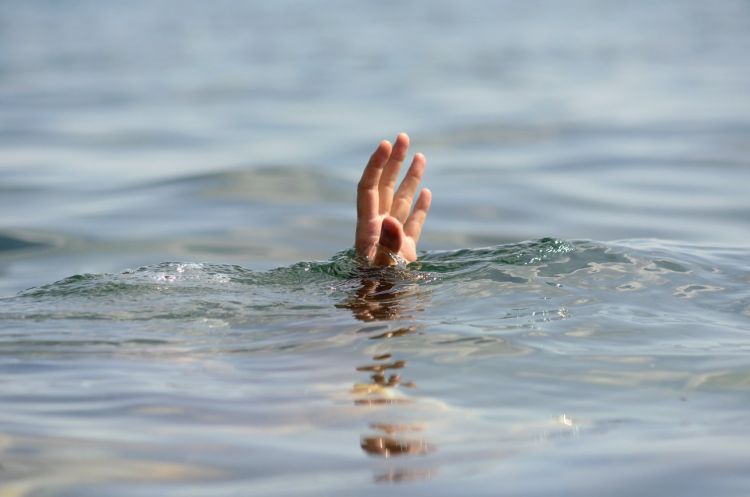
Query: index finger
point(367, 188)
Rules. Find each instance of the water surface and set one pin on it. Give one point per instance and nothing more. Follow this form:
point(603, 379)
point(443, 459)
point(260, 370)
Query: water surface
point(180, 315)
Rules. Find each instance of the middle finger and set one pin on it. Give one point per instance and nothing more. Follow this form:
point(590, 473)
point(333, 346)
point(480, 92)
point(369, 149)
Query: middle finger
point(390, 172)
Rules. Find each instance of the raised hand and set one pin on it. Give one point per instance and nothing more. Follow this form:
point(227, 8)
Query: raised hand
point(386, 223)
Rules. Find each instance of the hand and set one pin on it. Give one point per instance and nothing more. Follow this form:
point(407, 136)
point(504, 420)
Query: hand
point(384, 222)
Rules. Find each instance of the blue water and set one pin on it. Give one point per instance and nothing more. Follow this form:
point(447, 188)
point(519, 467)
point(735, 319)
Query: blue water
point(180, 312)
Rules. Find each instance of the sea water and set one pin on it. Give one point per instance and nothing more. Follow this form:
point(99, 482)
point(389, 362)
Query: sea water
point(608, 368)
point(180, 312)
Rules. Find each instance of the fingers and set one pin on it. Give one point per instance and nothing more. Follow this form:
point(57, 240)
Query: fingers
point(415, 221)
point(405, 194)
point(367, 192)
point(390, 172)
point(378, 234)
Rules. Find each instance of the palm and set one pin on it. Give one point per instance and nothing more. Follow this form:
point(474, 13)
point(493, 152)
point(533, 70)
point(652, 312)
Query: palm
point(386, 223)
point(371, 231)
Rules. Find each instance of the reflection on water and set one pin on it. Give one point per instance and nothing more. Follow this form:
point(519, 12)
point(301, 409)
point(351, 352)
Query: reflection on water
point(383, 294)
point(394, 333)
point(388, 294)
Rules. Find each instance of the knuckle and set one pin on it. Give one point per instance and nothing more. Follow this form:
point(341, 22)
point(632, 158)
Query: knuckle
point(363, 185)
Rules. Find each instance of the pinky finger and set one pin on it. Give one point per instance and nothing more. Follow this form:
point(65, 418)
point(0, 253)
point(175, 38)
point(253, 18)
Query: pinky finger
point(415, 221)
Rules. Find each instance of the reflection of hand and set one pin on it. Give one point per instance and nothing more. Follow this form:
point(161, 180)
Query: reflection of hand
point(374, 301)
point(384, 223)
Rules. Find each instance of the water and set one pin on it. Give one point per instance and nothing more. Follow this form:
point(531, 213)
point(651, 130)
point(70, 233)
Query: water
point(180, 315)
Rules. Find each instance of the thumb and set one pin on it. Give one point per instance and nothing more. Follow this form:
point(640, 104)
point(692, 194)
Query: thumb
point(391, 238)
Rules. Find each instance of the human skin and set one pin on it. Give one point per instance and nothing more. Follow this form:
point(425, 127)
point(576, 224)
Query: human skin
point(386, 222)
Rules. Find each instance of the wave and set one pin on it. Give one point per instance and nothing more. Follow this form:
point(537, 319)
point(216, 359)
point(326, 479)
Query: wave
point(11, 242)
point(180, 290)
